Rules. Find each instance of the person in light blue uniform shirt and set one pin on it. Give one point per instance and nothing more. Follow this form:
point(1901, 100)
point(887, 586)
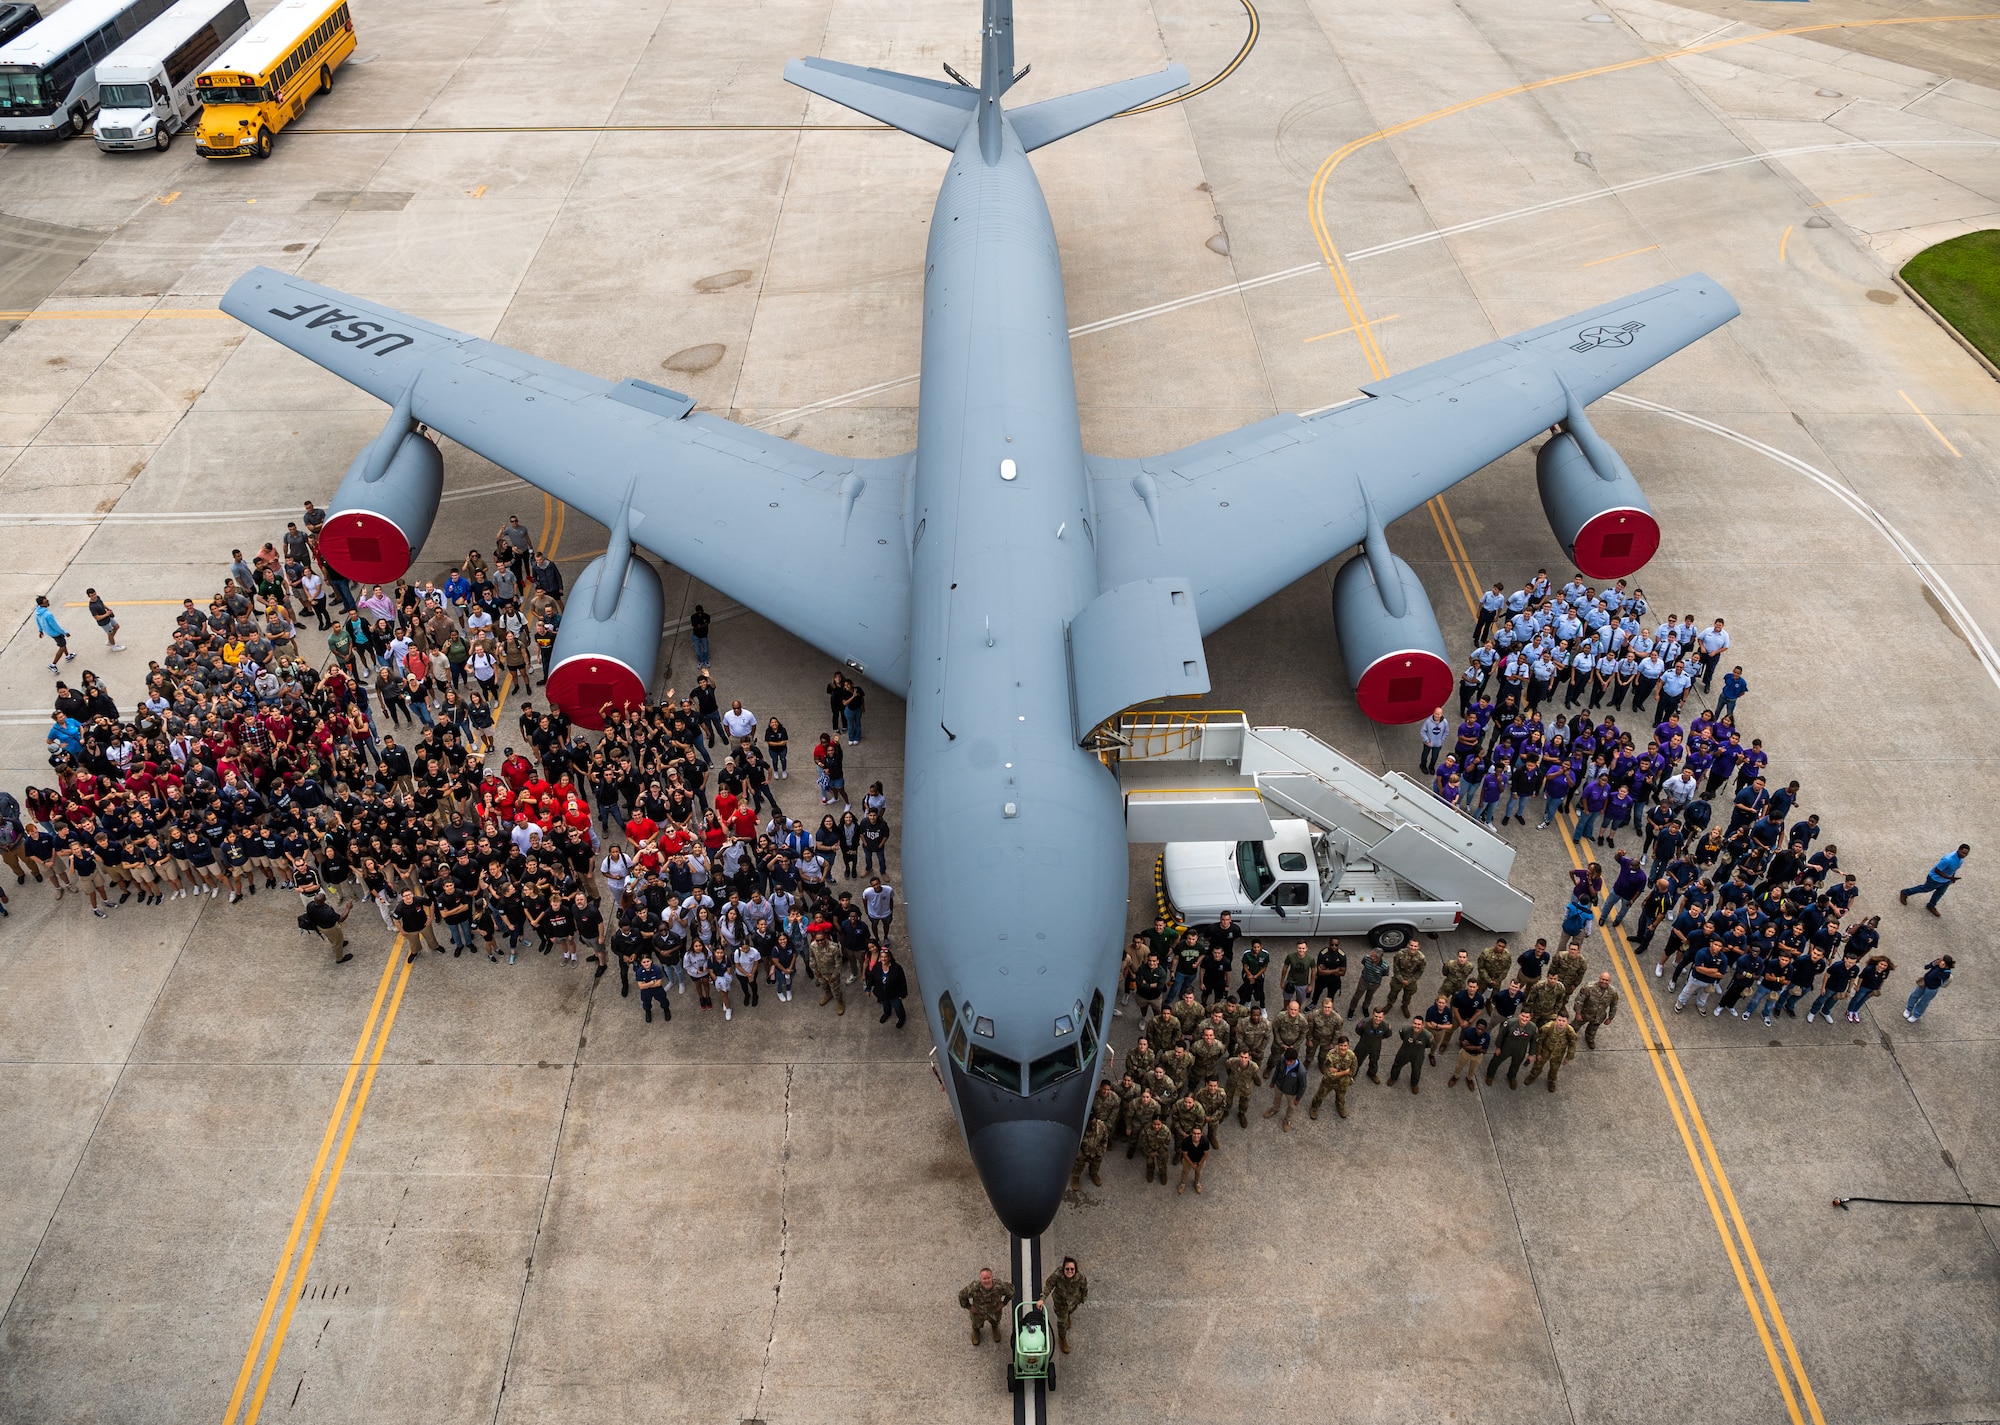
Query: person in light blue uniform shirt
point(1490, 604)
point(1674, 684)
point(1941, 878)
point(1714, 642)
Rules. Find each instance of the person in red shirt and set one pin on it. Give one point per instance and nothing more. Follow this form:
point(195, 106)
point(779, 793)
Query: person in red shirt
point(516, 769)
point(743, 821)
point(641, 828)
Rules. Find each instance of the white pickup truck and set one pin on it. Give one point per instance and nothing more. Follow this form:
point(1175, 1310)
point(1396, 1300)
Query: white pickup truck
point(1296, 884)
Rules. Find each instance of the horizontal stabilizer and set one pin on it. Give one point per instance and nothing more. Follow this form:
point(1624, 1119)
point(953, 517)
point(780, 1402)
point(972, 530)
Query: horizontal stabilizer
point(931, 109)
point(1052, 119)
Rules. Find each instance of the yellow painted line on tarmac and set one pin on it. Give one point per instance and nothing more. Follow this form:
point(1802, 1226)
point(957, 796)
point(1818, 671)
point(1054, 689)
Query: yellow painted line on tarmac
point(1337, 269)
point(333, 1123)
point(1707, 1163)
point(166, 198)
point(1783, 239)
point(1249, 43)
point(326, 1198)
point(548, 519)
point(1933, 427)
point(555, 540)
point(1621, 256)
point(479, 192)
point(1345, 330)
point(157, 314)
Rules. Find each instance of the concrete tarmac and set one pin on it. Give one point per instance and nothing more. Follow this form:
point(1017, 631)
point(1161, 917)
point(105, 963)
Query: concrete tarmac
point(547, 1208)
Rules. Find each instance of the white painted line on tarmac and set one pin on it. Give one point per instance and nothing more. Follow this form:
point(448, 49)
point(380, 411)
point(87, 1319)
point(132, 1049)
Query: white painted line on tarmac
point(1975, 636)
point(1304, 269)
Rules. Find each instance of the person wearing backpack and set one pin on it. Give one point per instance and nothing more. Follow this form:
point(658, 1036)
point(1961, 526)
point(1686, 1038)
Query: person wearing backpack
point(321, 917)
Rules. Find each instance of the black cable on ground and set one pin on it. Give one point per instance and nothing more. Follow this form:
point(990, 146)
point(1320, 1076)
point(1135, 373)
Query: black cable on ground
point(1841, 1202)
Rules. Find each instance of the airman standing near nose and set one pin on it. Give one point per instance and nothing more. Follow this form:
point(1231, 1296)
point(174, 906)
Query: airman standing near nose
point(1336, 1073)
point(988, 1299)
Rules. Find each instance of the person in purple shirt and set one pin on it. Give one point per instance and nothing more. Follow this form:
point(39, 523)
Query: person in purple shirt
point(1556, 790)
point(1617, 814)
point(1491, 788)
point(1625, 888)
point(1595, 795)
point(1448, 793)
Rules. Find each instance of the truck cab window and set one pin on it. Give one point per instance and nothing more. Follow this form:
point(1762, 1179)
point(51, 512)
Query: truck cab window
point(1289, 894)
point(1254, 869)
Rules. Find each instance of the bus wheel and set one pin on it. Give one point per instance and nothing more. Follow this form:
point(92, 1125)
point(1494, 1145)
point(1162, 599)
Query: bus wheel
point(79, 122)
point(263, 143)
point(325, 80)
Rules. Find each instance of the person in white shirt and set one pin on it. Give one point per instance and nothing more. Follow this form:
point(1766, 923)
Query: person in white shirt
point(879, 903)
point(739, 722)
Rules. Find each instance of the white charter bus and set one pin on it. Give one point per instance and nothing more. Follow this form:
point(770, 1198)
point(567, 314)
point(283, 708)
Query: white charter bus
point(48, 80)
point(145, 88)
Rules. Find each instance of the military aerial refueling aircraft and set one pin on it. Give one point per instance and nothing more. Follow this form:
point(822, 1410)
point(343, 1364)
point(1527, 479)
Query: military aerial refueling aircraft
point(1057, 589)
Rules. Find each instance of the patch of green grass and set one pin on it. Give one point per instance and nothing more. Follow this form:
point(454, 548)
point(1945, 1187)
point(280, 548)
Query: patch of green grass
point(1961, 279)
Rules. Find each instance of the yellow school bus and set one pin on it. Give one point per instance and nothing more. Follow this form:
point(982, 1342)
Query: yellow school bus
point(262, 82)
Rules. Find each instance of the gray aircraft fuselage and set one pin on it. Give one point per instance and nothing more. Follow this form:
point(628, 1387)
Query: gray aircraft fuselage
point(1013, 837)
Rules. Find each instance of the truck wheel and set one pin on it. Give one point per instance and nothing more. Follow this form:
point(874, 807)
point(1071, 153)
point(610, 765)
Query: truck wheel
point(1390, 937)
point(163, 138)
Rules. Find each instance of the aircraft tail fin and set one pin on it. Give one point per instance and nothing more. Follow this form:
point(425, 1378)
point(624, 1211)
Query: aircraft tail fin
point(1052, 119)
point(931, 109)
point(939, 112)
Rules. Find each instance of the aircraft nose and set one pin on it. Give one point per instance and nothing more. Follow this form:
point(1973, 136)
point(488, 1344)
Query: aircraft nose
point(1024, 1164)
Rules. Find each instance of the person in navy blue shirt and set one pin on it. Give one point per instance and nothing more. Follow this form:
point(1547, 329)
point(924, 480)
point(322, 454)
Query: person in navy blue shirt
point(1942, 877)
point(1734, 686)
point(1935, 977)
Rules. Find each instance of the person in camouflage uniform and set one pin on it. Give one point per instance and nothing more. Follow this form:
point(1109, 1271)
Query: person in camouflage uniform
point(1163, 1029)
point(1546, 999)
point(1253, 1037)
point(1321, 1027)
point(1242, 1078)
point(1233, 1012)
point(1457, 971)
point(989, 1299)
point(1062, 1294)
point(1178, 1064)
point(1405, 971)
point(1105, 1103)
point(1141, 1059)
point(1208, 1051)
point(1494, 964)
point(1570, 967)
point(1288, 1031)
point(1187, 1115)
point(1090, 1153)
point(1158, 1085)
point(1336, 1073)
point(1138, 1113)
point(1156, 1141)
point(1215, 1103)
point(1128, 1094)
point(1556, 1047)
point(1596, 1005)
point(1512, 1042)
point(823, 954)
point(1188, 1010)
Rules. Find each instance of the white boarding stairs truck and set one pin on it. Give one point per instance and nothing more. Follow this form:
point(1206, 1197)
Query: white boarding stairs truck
point(1294, 839)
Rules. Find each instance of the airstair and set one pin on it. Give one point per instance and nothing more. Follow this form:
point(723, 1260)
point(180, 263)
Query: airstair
point(1210, 776)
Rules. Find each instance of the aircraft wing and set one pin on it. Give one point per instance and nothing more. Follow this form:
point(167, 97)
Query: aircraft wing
point(813, 542)
point(1248, 513)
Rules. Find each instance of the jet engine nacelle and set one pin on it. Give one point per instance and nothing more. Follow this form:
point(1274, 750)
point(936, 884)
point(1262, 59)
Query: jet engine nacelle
point(609, 642)
point(375, 526)
point(1595, 508)
point(1395, 661)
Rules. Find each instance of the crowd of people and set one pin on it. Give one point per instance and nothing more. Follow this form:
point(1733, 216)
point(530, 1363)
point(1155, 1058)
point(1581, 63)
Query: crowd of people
point(661, 846)
point(1752, 911)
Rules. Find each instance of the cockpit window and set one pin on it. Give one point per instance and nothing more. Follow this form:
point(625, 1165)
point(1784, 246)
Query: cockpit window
point(1253, 868)
point(947, 1015)
point(995, 1068)
point(1050, 1067)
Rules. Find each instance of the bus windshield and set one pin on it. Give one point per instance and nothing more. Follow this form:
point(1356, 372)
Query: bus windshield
point(244, 94)
point(24, 89)
point(125, 96)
